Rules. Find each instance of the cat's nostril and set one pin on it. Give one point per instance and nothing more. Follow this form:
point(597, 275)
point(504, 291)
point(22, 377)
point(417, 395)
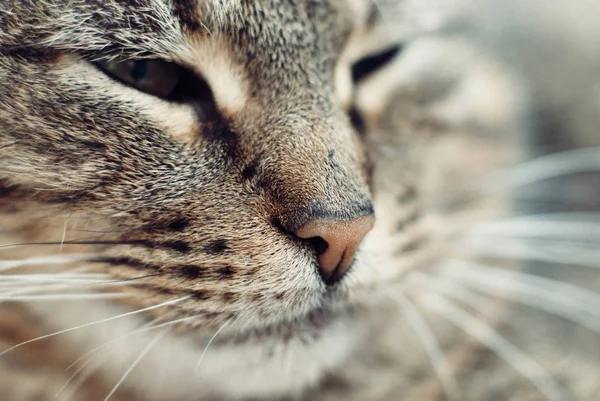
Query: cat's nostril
point(336, 243)
point(318, 244)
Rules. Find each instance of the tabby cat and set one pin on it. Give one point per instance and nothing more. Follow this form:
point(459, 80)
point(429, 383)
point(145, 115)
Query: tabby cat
point(298, 199)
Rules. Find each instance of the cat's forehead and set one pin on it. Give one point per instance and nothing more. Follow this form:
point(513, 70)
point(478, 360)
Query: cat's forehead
point(256, 17)
point(159, 26)
point(293, 42)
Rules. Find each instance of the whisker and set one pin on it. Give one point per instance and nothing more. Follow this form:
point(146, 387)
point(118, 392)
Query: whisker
point(567, 226)
point(32, 283)
point(166, 303)
point(69, 284)
point(549, 166)
point(136, 362)
point(211, 340)
point(163, 273)
point(431, 345)
point(90, 354)
point(512, 355)
point(81, 230)
point(446, 288)
point(568, 301)
point(556, 252)
point(70, 274)
point(64, 234)
point(74, 242)
point(87, 369)
point(142, 243)
point(144, 328)
point(6, 265)
point(554, 165)
point(9, 145)
point(63, 297)
point(23, 290)
point(23, 280)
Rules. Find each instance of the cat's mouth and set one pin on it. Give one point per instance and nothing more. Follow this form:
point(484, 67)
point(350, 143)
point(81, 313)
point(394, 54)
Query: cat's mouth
point(337, 304)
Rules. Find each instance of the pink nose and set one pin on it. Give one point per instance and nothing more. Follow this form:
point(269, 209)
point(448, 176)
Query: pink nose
point(342, 238)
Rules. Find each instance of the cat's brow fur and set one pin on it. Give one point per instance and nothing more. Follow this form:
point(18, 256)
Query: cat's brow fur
point(190, 220)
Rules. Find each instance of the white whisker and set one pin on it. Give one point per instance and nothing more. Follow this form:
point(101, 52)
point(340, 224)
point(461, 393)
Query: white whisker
point(64, 297)
point(171, 302)
point(512, 355)
point(210, 342)
point(16, 283)
point(575, 226)
point(553, 165)
point(568, 301)
point(447, 288)
point(6, 265)
point(541, 251)
point(25, 290)
point(135, 363)
point(86, 369)
point(144, 328)
point(64, 234)
point(11, 285)
point(431, 345)
point(31, 283)
point(60, 277)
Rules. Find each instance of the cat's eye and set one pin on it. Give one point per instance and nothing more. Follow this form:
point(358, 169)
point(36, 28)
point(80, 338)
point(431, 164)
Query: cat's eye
point(373, 62)
point(154, 76)
point(363, 68)
point(166, 80)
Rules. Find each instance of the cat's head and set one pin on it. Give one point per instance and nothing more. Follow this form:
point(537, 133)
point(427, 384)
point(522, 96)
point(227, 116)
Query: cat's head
point(202, 150)
point(212, 159)
point(209, 135)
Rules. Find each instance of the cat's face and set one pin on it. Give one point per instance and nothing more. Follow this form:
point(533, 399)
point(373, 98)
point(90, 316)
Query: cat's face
point(190, 174)
point(166, 167)
point(209, 183)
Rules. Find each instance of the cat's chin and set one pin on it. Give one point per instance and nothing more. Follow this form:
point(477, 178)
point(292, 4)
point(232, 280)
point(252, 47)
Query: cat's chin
point(283, 360)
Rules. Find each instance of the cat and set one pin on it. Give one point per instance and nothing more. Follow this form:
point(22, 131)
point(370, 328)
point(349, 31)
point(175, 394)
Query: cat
point(313, 200)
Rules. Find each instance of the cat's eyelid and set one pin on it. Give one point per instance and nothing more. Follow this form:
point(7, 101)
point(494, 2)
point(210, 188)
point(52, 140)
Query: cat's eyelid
point(157, 77)
point(369, 64)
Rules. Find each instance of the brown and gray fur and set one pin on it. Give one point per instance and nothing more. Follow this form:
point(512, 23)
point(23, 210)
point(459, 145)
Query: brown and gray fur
point(190, 205)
